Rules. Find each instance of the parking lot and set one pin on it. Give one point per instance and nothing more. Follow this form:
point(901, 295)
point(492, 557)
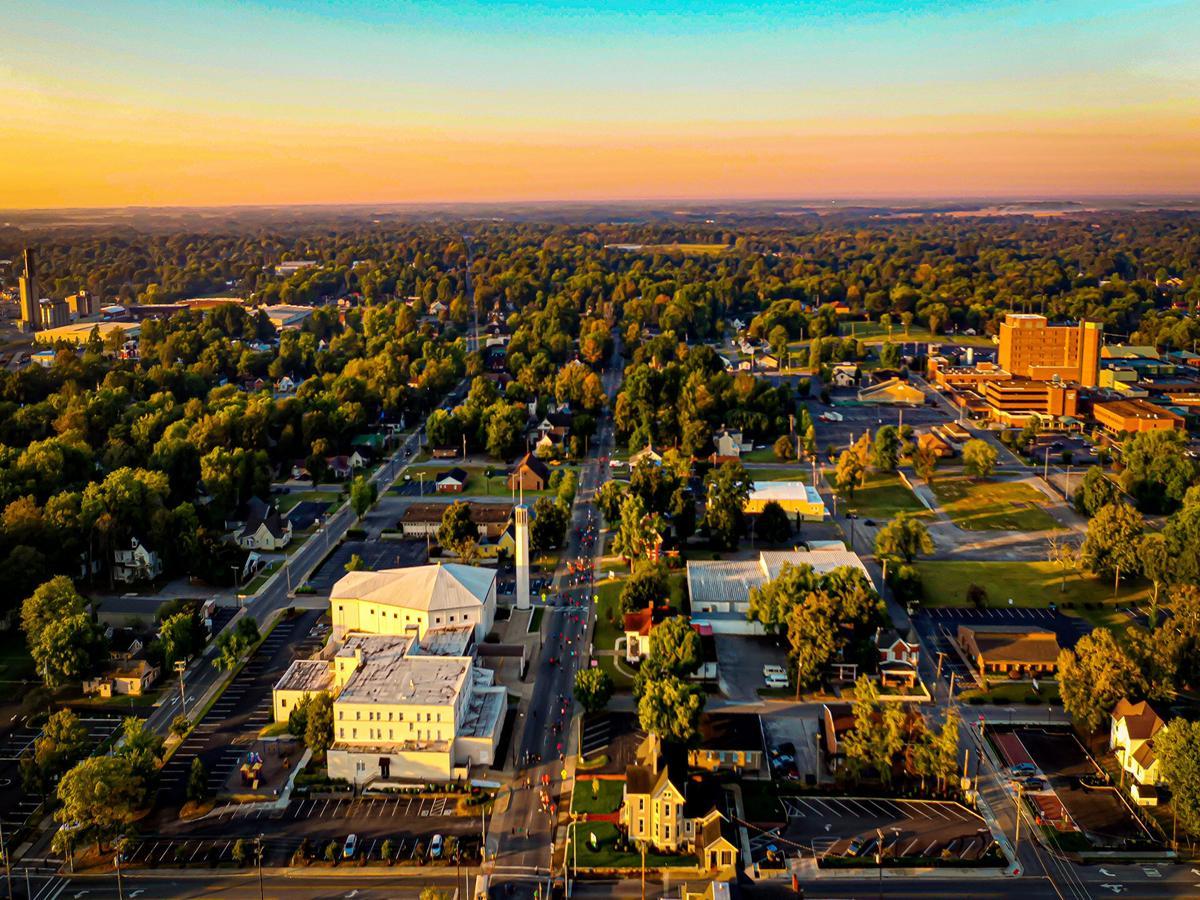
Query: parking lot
point(1062, 760)
point(857, 418)
point(841, 826)
point(306, 512)
point(172, 852)
point(227, 730)
point(740, 661)
point(801, 733)
point(375, 555)
point(17, 808)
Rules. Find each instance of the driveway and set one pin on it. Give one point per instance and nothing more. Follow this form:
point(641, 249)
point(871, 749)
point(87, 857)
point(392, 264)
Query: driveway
point(740, 661)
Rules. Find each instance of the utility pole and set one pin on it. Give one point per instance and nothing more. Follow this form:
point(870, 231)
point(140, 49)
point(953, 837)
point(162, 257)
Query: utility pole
point(117, 863)
point(7, 863)
point(1046, 468)
point(941, 656)
point(260, 875)
point(180, 668)
point(643, 847)
point(950, 695)
point(1017, 833)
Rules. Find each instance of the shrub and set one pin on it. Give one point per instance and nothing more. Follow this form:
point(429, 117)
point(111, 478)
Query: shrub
point(977, 596)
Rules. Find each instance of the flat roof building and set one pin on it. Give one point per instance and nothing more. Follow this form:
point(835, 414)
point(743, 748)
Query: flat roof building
point(1015, 652)
point(1030, 347)
point(1117, 416)
point(794, 496)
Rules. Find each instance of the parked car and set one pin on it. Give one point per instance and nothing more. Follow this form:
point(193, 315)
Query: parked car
point(1034, 784)
point(1023, 770)
point(769, 670)
point(350, 846)
point(776, 681)
point(435, 847)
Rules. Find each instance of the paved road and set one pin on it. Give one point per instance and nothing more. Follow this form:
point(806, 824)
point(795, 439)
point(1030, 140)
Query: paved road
point(523, 831)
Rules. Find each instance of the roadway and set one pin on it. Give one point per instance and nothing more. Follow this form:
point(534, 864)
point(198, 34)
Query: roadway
point(523, 832)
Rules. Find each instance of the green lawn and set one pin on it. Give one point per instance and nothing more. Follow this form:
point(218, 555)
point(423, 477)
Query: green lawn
point(873, 332)
point(605, 800)
point(609, 665)
point(261, 578)
point(1009, 692)
point(767, 455)
point(1029, 584)
point(702, 249)
point(990, 505)
point(605, 856)
point(882, 496)
point(781, 472)
point(606, 633)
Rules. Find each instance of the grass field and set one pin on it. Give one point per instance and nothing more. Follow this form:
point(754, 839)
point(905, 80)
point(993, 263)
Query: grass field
point(605, 800)
point(1010, 692)
point(261, 578)
point(705, 249)
point(604, 856)
point(882, 496)
point(767, 455)
point(873, 332)
point(1030, 584)
point(992, 505)
point(780, 472)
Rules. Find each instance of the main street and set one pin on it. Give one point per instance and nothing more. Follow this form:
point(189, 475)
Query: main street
point(522, 833)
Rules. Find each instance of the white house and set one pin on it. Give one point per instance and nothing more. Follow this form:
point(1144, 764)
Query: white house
point(138, 563)
point(264, 528)
point(1131, 738)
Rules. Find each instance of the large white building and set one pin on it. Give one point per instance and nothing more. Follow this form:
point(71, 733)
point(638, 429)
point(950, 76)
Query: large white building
point(409, 701)
point(720, 589)
point(411, 601)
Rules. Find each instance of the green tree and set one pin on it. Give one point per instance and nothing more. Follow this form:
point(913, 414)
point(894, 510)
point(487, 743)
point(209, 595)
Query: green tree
point(62, 743)
point(885, 452)
point(647, 586)
point(609, 498)
point(197, 783)
point(905, 537)
point(549, 526)
point(355, 563)
point(878, 735)
point(457, 533)
point(889, 355)
point(773, 525)
point(363, 494)
point(50, 602)
point(318, 727)
point(979, 458)
point(670, 708)
point(771, 603)
point(1095, 492)
point(1111, 547)
point(593, 689)
point(784, 448)
point(181, 636)
point(812, 639)
point(1157, 563)
point(924, 462)
point(1094, 676)
point(727, 488)
point(675, 647)
point(1178, 749)
point(639, 531)
point(99, 797)
point(67, 650)
point(1158, 470)
point(849, 474)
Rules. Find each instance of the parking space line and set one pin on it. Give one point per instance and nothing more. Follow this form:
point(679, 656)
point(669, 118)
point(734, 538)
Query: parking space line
point(909, 808)
point(929, 849)
point(911, 844)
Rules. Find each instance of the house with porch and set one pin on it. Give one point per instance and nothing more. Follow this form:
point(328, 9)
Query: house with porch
point(1133, 729)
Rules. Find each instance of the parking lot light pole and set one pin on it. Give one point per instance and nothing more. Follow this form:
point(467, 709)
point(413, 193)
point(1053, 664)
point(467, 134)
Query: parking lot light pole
point(180, 668)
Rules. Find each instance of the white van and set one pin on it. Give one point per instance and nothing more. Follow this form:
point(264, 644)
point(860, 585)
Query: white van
point(776, 681)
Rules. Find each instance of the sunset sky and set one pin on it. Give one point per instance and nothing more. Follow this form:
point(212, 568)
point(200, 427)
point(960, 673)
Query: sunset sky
point(111, 102)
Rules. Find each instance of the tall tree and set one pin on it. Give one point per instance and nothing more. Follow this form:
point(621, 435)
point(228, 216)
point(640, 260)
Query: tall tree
point(593, 689)
point(905, 537)
point(670, 708)
point(979, 458)
point(1178, 749)
point(1111, 547)
point(727, 488)
point(1094, 676)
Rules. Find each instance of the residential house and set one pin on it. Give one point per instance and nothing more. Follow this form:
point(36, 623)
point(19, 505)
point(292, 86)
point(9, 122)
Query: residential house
point(1131, 737)
point(424, 519)
point(648, 454)
point(137, 563)
point(339, 467)
point(729, 742)
point(844, 375)
point(637, 626)
point(1014, 652)
point(675, 813)
point(263, 528)
point(934, 444)
point(529, 474)
point(729, 445)
point(361, 457)
point(898, 657)
point(120, 677)
point(452, 481)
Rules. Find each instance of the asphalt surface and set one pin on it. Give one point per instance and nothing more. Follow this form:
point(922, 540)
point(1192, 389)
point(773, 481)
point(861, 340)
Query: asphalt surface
point(522, 839)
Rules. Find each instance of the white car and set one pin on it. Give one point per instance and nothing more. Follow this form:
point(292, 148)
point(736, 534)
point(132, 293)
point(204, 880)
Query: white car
point(774, 671)
point(776, 681)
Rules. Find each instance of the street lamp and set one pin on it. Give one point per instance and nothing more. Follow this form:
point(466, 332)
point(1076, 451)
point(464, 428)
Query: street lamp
point(180, 668)
point(258, 842)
